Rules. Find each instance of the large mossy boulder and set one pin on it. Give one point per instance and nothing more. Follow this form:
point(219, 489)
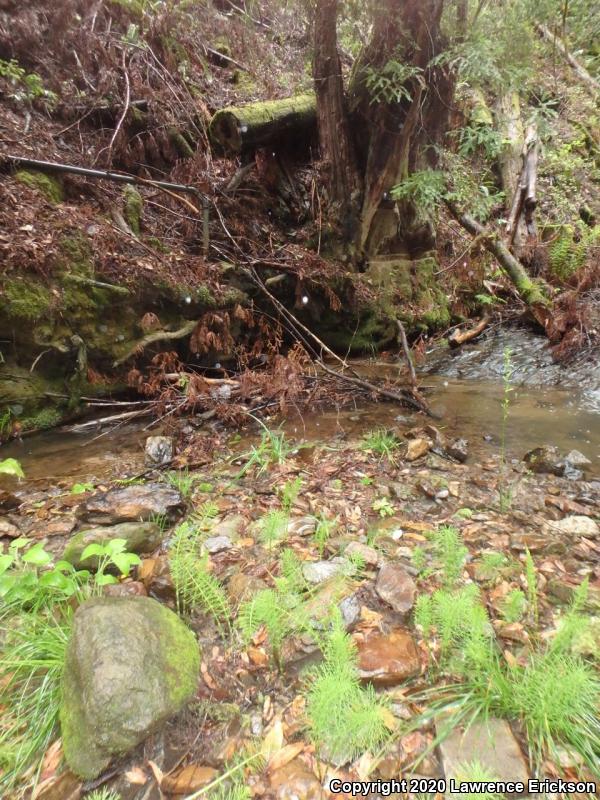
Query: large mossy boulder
point(131, 665)
point(141, 537)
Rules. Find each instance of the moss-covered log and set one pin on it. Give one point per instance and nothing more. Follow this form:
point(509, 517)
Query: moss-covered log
point(238, 128)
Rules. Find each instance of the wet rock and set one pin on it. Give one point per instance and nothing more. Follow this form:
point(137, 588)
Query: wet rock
point(417, 448)
point(159, 450)
point(216, 544)
point(316, 572)
point(368, 554)
point(577, 459)
point(231, 527)
point(125, 589)
point(563, 592)
point(537, 543)
point(133, 503)
point(302, 526)
point(243, 587)
point(458, 449)
point(131, 665)
point(295, 781)
point(388, 659)
point(56, 527)
point(350, 610)
point(545, 459)
point(141, 537)
point(492, 743)
point(396, 588)
point(156, 576)
point(8, 529)
point(8, 501)
point(574, 527)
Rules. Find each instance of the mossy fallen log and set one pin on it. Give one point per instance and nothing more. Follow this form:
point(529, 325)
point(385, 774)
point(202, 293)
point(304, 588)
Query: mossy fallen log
point(247, 127)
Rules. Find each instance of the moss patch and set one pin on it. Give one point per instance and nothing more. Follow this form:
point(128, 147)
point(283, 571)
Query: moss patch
point(26, 299)
point(133, 208)
point(48, 186)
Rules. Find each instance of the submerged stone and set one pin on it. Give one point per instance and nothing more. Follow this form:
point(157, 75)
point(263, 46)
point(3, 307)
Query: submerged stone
point(131, 665)
point(545, 459)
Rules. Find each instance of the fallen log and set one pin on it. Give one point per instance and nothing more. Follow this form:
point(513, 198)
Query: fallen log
point(238, 128)
point(530, 292)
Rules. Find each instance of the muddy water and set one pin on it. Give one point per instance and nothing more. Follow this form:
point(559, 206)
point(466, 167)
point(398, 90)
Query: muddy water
point(549, 405)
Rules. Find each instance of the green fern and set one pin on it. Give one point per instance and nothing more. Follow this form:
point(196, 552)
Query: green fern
point(273, 527)
point(568, 255)
point(450, 553)
point(345, 720)
point(290, 492)
point(514, 606)
point(323, 531)
point(103, 794)
point(476, 772)
point(195, 585)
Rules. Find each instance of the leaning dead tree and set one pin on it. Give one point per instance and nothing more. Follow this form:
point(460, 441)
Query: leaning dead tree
point(584, 76)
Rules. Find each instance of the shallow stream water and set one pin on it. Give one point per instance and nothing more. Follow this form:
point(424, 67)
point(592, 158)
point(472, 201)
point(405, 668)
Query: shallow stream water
point(549, 404)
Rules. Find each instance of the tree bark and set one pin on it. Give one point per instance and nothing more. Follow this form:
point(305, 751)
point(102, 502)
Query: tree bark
point(337, 148)
point(254, 125)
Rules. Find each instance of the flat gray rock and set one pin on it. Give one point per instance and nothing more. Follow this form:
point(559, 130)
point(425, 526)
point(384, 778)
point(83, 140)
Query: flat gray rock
point(216, 544)
point(489, 742)
point(135, 503)
point(316, 572)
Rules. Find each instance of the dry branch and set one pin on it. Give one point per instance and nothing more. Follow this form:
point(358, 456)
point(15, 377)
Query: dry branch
point(157, 336)
point(591, 83)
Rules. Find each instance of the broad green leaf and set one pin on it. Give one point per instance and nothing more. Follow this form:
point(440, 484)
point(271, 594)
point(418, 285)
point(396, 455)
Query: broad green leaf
point(115, 546)
point(6, 561)
point(81, 488)
point(10, 466)
point(93, 549)
point(105, 580)
point(64, 566)
point(37, 556)
point(124, 562)
point(18, 544)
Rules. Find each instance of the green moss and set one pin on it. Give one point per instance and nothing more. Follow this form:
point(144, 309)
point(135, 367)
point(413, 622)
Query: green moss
point(133, 208)
point(26, 299)
point(46, 184)
point(45, 419)
point(76, 255)
point(180, 143)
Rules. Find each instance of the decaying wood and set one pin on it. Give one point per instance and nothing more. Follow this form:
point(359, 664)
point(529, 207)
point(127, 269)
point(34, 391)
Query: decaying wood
point(94, 423)
point(591, 83)
point(459, 337)
point(407, 355)
point(157, 336)
point(525, 195)
point(248, 127)
point(529, 291)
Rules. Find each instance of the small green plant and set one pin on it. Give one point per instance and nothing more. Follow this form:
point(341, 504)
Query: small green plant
point(273, 449)
point(345, 719)
point(195, 585)
point(289, 493)
point(464, 513)
point(572, 249)
point(474, 772)
point(514, 606)
point(491, 564)
point(203, 516)
point(426, 189)
point(81, 488)
point(323, 531)
point(505, 491)
point(418, 559)
point(383, 507)
point(28, 85)
point(110, 554)
point(103, 794)
point(182, 481)
point(450, 553)
point(32, 656)
point(366, 480)
point(382, 442)
point(390, 83)
point(480, 138)
point(28, 580)
point(532, 587)
point(273, 528)
point(10, 466)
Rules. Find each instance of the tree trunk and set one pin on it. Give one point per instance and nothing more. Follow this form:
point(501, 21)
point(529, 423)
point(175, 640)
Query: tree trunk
point(254, 125)
point(510, 126)
point(337, 148)
point(398, 132)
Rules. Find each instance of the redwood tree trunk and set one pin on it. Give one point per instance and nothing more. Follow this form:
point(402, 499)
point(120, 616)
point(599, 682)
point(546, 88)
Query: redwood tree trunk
point(337, 148)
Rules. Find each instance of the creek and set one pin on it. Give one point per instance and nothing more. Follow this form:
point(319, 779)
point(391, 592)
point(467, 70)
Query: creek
point(549, 404)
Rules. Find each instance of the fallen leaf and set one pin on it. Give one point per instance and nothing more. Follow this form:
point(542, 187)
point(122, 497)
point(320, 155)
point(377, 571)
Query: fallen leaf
point(285, 755)
point(136, 775)
point(62, 787)
point(188, 779)
point(258, 657)
point(273, 741)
